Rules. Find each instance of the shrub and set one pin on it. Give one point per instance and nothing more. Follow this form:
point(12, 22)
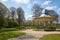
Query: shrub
point(37, 29)
point(50, 28)
point(8, 29)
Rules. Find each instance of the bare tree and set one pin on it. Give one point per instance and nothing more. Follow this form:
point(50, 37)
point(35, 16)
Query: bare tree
point(13, 12)
point(36, 10)
point(20, 13)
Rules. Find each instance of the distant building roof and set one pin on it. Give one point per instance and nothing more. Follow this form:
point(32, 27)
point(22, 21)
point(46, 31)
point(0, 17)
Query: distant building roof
point(44, 15)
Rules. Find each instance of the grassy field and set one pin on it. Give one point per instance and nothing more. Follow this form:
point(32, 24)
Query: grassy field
point(51, 37)
point(9, 33)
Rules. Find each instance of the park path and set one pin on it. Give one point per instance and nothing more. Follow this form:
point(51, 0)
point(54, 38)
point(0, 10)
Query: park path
point(33, 35)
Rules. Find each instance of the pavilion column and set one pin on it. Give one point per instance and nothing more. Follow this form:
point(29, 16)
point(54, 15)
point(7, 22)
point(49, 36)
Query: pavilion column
point(44, 23)
point(49, 22)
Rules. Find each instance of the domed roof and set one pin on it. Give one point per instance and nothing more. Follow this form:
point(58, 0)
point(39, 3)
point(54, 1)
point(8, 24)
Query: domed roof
point(44, 15)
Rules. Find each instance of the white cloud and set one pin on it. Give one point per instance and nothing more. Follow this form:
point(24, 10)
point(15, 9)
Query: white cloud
point(51, 7)
point(4, 0)
point(36, 2)
point(29, 17)
point(47, 2)
point(29, 6)
point(21, 1)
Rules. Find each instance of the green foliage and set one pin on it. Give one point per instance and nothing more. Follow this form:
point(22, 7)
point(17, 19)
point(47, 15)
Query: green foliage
point(10, 34)
point(8, 29)
point(49, 28)
point(30, 27)
point(51, 37)
point(8, 17)
point(3, 13)
point(37, 29)
point(58, 26)
point(20, 13)
point(12, 24)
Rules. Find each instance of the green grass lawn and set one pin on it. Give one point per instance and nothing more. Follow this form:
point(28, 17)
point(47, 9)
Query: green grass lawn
point(51, 37)
point(7, 34)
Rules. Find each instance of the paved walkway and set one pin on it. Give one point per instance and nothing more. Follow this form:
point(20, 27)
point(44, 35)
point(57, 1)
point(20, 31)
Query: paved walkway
point(33, 35)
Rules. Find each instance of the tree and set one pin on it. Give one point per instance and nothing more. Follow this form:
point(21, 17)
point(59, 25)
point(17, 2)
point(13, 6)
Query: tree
point(36, 10)
point(20, 13)
point(3, 14)
point(13, 12)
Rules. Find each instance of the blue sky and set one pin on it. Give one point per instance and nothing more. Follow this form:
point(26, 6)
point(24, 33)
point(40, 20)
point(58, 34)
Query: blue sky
point(27, 5)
